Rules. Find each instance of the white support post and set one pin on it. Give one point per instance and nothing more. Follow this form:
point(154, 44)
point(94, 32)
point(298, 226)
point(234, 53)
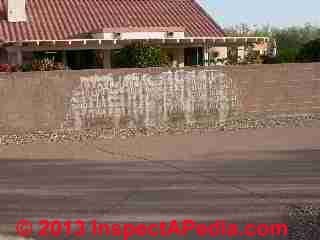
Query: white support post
point(181, 57)
point(206, 55)
point(241, 52)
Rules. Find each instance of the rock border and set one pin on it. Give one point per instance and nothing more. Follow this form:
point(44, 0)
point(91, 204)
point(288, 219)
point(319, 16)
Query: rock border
point(238, 122)
point(303, 223)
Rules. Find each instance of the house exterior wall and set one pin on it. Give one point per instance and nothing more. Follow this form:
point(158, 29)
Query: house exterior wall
point(27, 57)
point(3, 56)
point(15, 56)
point(262, 48)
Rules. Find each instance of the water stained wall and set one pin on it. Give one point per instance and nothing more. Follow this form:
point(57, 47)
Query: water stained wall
point(134, 98)
point(145, 99)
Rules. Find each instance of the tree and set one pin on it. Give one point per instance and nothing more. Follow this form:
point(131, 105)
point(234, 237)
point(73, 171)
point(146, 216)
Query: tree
point(289, 40)
point(241, 30)
point(310, 52)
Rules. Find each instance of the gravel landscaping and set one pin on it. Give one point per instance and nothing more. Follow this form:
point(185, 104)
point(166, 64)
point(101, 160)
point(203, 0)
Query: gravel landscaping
point(173, 128)
point(304, 223)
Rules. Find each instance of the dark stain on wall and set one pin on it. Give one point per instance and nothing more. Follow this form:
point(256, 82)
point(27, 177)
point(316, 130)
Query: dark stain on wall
point(153, 97)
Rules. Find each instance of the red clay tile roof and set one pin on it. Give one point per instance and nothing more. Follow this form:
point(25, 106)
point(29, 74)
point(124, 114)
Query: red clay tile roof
point(64, 19)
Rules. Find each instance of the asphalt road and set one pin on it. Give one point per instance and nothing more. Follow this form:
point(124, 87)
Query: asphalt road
point(244, 177)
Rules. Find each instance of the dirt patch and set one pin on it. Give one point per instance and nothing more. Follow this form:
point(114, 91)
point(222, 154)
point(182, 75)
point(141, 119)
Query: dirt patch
point(8, 237)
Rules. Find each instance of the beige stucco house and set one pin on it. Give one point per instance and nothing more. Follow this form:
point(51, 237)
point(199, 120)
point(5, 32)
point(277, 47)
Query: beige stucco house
point(83, 34)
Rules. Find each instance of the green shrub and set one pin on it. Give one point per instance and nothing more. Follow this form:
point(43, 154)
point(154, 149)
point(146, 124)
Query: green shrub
point(138, 55)
point(26, 67)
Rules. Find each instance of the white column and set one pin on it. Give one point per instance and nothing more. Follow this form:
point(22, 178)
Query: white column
point(241, 52)
point(206, 55)
point(180, 57)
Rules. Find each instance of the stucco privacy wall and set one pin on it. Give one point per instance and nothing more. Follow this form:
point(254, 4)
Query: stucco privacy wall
point(153, 97)
point(277, 89)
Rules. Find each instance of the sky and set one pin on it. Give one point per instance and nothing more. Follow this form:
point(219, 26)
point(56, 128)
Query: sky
point(279, 13)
